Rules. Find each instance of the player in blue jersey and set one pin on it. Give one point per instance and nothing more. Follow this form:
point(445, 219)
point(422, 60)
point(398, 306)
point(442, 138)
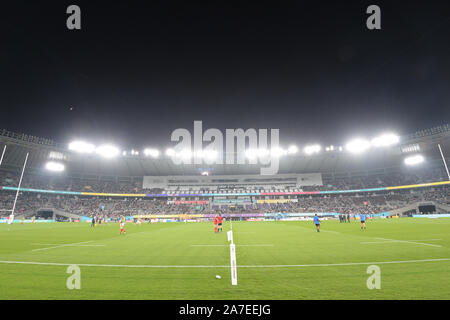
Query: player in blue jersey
point(362, 217)
point(317, 223)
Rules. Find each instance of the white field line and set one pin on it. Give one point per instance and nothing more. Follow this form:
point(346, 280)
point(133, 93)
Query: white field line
point(62, 245)
point(390, 241)
point(411, 242)
point(74, 245)
point(225, 266)
point(237, 245)
point(331, 231)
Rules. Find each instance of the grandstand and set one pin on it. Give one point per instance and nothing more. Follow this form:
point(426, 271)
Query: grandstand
point(328, 183)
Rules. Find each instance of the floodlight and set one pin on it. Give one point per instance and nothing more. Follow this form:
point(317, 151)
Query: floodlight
point(170, 152)
point(358, 146)
point(151, 152)
point(208, 154)
point(413, 160)
point(312, 149)
point(251, 153)
point(278, 152)
point(185, 154)
point(82, 147)
point(107, 151)
point(54, 166)
point(385, 140)
point(292, 150)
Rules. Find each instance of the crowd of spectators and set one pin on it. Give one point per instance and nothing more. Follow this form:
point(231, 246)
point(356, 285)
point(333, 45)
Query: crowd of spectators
point(349, 203)
point(29, 203)
point(64, 183)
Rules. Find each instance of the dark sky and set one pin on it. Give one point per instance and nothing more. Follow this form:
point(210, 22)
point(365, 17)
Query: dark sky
point(138, 70)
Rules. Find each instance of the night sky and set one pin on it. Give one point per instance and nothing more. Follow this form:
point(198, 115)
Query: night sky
point(138, 70)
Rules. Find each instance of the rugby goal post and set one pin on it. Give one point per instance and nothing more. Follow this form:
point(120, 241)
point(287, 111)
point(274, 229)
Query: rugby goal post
point(11, 217)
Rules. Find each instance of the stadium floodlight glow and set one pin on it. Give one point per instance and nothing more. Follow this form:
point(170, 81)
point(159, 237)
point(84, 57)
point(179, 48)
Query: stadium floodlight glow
point(278, 152)
point(185, 154)
point(54, 166)
point(254, 153)
point(208, 154)
point(151, 153)
point(251, 153)
point(170, 152)
point(413, 160)
point(312, 149)
point(292, 150)
point(358, 146)
point(81, 147)
point(107, 151)
point(265, 152)
point(385, 140)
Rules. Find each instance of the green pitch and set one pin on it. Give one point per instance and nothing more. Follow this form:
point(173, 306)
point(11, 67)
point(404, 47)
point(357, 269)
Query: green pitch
point(276, 260)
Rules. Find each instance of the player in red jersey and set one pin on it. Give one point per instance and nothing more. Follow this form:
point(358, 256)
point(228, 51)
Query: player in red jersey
point(215, 224)
point(219, 223)
point(122, 227)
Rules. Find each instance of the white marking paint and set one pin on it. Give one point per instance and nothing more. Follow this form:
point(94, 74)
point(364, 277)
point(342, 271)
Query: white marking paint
point(390, 241)
point(73, 245)
point(226, 266)
point(62, 245)
point(411, 242)
point(237, 245)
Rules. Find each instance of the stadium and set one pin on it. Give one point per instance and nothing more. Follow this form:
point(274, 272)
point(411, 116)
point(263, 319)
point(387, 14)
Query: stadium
point(62, 205)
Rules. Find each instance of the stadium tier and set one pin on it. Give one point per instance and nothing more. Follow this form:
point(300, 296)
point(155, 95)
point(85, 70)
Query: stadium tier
point(30, 204)
point(306, 185)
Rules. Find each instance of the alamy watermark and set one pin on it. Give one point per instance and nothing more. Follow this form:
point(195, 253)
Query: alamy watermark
point(73, 22)
point(374, 280)
point(250, 146)
point(74, 281)
point(373, 22)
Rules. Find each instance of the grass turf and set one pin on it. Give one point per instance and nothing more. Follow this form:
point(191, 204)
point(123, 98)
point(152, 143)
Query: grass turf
point(258, 245)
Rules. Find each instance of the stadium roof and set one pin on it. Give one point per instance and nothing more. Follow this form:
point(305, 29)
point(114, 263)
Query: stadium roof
point(376, 160)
